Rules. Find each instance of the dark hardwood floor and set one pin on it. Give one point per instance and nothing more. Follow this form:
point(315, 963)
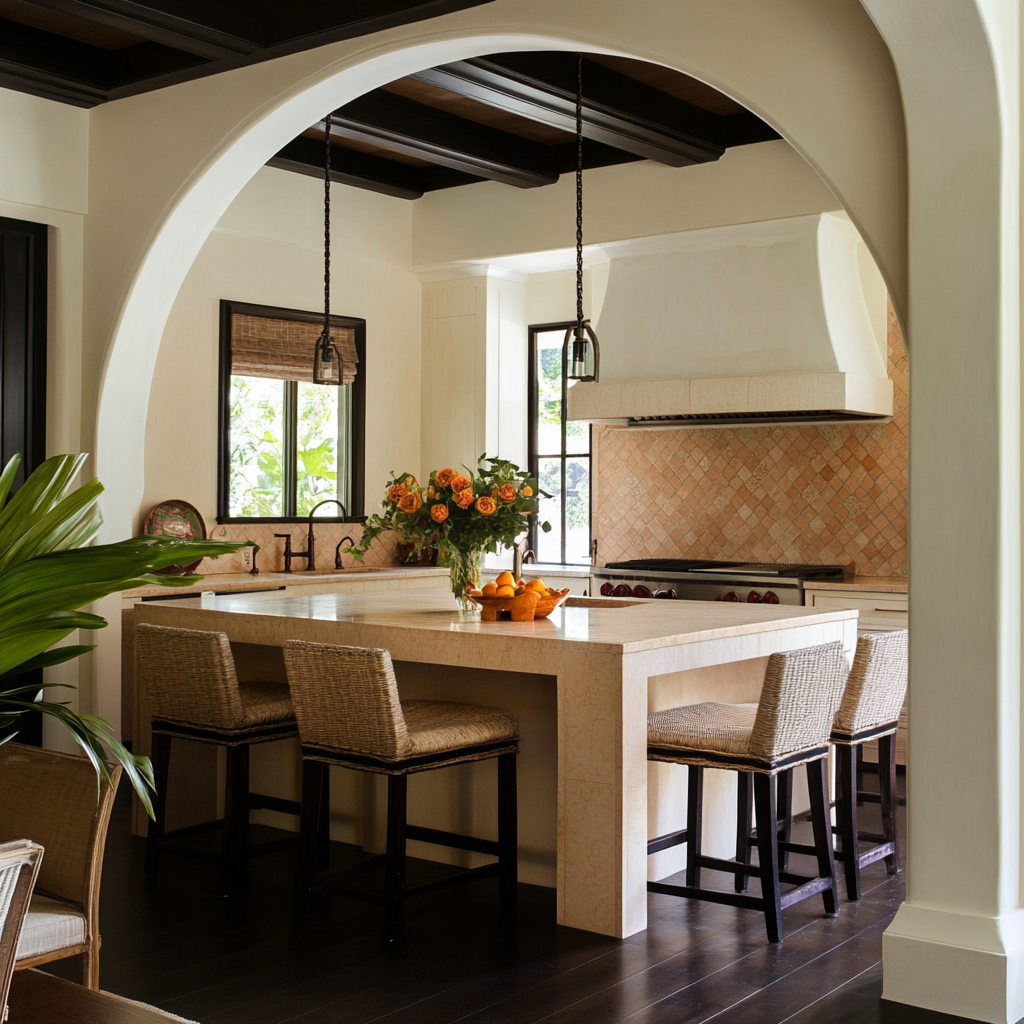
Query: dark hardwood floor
point(180, 945)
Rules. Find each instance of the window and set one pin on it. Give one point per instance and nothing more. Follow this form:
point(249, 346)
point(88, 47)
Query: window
point(286, 443)
point(563, 472)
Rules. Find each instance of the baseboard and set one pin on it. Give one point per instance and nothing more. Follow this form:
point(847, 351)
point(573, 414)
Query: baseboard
point(900, 1013)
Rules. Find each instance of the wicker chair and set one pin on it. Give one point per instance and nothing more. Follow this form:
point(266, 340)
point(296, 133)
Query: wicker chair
point(19, 865)
point(788, 728)
point(349, 714)
point(52, 799)
point(194, 694)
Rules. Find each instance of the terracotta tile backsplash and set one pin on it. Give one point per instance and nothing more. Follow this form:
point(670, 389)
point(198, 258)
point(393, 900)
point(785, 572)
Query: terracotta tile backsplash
point(835, 493)
point(271, 554)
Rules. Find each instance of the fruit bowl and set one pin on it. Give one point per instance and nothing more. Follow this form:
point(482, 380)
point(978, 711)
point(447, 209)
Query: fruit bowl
point(524, 608)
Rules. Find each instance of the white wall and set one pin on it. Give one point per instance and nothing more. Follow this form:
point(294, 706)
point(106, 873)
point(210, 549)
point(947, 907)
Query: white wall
point(268, 248)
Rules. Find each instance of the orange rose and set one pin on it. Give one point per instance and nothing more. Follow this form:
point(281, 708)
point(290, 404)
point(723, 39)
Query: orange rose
point(410, 502)
point(439, 512)
point(486, 506)
point(431, 493)
point(495, 492)
point(464, 498)
point(527, 491)
point(460, 482)
point(443, 477)
point(397, 492)
point(508, 492)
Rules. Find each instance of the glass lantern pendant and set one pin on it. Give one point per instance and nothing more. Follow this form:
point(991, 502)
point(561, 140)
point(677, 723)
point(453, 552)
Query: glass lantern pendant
point(327, 366)
point(582, 360)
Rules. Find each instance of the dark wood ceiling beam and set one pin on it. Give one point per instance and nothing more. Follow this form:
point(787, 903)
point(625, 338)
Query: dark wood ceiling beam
point(617, 110)
point(158, 26)
point(306, 156)
point(414, 129)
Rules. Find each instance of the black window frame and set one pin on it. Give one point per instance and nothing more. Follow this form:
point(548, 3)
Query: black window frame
point(358, 422)
point(534, 456)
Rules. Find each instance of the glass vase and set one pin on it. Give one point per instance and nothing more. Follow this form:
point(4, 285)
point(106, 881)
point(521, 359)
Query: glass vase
point(464, 566)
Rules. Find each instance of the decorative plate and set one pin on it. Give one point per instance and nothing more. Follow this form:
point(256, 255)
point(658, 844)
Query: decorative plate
point(178, 519)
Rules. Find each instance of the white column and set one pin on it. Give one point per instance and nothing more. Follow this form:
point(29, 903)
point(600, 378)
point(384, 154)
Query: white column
point(957, 943)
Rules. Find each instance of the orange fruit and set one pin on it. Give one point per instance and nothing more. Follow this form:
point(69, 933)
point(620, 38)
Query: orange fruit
point(505, 591)
point(537, 585)
point(506, 579)
point(489, 590)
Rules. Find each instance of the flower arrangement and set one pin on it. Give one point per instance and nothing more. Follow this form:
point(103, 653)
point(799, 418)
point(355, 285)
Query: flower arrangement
point(461, 514)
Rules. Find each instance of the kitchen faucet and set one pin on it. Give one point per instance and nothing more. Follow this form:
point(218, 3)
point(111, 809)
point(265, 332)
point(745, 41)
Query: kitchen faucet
point(520, 554)
point(337, 551)
point(311, 562)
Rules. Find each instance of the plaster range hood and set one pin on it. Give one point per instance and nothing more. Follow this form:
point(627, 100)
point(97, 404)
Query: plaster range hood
point(775, 322)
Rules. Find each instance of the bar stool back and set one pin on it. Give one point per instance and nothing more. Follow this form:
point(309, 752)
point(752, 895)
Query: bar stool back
point(349, 714)
point(870, 710)
point(194, 693)
point(787, 728)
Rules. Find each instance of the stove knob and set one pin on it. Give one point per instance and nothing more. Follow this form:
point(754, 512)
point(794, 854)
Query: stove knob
point(607, 589)
point(770, 597)
point(754, 597)
point(641, 591)
point(666, 594)
point(623, 590)
point(731, 596)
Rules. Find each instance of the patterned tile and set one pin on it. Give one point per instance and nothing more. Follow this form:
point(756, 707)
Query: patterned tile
point(834, 493)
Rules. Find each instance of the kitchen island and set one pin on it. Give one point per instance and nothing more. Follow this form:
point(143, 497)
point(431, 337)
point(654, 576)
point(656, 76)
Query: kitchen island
point(581, 683)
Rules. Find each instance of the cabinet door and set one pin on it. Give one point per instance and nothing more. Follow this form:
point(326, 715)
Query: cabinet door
point(878, 612)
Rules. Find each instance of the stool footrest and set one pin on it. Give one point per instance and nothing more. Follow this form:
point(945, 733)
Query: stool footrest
point(691, 892)
point(666, 842)
point(877, 853)
point(262, 802)
point(810, 888)
point(453, 839)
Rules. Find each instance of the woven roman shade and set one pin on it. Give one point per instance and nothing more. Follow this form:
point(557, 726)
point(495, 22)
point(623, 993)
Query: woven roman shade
point(264, 346)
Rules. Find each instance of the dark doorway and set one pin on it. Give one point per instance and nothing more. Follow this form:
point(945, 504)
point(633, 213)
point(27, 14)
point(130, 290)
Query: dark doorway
point(23, 260)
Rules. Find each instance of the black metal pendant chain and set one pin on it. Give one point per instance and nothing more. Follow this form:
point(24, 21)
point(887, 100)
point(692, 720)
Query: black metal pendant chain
point(327, 227)
point(579, 189)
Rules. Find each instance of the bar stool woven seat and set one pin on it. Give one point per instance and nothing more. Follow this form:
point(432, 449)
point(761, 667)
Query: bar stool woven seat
point(349, 714)
point(788, 727)
point(194, 694)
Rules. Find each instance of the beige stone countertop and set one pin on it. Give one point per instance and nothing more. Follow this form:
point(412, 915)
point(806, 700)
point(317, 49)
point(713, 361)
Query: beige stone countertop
point(873, 584)
point(605, 625)
point(242, 581)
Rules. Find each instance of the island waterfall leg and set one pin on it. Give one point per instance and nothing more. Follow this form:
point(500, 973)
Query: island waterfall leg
point(602, 794)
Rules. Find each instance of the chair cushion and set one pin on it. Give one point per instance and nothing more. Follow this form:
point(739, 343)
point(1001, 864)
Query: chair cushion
point(437, 726)
point(50, 926)
point(265, 703)
point(711, 727)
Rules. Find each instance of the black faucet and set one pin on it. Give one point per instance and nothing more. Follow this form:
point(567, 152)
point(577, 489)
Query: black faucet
point(337, 552)
point(289, 554)
point(310, 549)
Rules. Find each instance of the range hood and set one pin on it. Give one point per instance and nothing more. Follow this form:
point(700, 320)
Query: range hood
point(775, 322)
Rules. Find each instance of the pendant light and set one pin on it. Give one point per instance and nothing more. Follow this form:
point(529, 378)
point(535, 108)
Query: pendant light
point(583, 360)
point(327, 368)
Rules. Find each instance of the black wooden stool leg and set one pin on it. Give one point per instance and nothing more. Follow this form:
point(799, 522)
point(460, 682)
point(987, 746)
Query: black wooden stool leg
point(161, 754)
point(768, 854)
point(859, 763)
point(694, 822)
point(890, 798)
point(235, 849)
point(846, 811)
point(508, 832)
point(784, 783)
point(817, 787)
point(394, 878)
point(323, 829)
point(313, 773)
point(744, 821)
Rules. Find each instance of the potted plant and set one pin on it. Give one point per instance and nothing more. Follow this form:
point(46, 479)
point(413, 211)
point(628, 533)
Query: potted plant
point(49, 570)
point(462, 515)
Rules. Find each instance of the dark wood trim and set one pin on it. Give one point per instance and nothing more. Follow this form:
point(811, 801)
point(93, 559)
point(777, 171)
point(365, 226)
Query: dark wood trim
point(618, 111)
point(358, 452)
point(427, 133)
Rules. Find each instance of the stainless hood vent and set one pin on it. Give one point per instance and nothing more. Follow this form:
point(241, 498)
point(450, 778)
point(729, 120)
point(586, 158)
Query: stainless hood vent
point(749, 419)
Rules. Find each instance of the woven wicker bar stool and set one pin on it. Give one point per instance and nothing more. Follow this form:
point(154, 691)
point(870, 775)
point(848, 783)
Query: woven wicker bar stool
point(788, 728)
point(194, 694)
point(869, 710)
point(349, 714)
